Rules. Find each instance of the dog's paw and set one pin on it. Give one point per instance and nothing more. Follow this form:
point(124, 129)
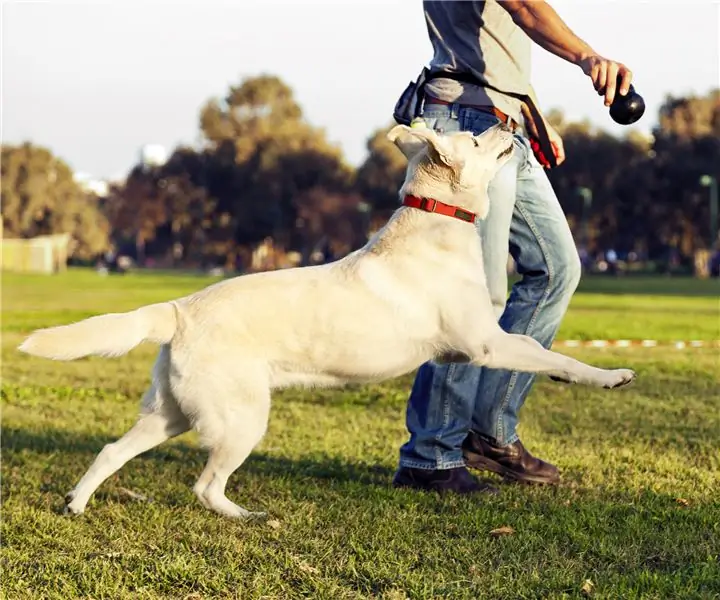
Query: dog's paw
point(619, 377)
point(69, 509)
point(70, 512)
point(255, 516)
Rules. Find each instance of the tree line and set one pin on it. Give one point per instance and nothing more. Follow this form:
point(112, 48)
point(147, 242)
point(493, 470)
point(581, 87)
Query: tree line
point(263, 175)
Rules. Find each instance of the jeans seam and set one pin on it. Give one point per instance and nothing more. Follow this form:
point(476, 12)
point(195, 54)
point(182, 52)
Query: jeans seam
point(468, 116)
point(528, 166)
point(528, 329)
point(446, 412)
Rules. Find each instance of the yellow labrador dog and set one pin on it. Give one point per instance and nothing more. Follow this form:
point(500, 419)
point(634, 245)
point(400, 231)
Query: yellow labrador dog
point(415, 292)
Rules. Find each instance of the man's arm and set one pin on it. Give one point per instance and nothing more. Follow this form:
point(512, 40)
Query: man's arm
point(545, 27)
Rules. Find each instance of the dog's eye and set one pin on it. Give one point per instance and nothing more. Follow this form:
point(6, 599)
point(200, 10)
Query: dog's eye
point(475, 142)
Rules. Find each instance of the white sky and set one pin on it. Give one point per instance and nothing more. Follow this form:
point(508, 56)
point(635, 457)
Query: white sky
point(95, 81)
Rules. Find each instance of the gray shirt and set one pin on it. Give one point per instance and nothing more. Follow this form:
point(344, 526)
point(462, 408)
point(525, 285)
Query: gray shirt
point(479, 38)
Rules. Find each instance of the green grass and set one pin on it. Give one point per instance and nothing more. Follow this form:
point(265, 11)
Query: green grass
point(637, 511)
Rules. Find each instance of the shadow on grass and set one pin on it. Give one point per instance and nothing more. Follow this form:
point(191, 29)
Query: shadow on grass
point(321, 467)
point(336, 475)
point(568, 517)
point(18, 441)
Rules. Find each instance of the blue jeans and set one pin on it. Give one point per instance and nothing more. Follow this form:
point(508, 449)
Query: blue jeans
point(525, 217)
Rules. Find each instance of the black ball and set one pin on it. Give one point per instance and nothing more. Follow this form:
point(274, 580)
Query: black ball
point(628, 108)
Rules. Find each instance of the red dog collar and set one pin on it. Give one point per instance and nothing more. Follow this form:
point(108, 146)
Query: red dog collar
point(435, 206)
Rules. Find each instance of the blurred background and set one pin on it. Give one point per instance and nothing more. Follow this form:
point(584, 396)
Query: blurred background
point(244, 137)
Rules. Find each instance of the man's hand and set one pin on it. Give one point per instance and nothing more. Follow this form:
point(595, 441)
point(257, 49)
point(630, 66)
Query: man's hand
point(556, 143)
point(545, 27)
point(604, 74)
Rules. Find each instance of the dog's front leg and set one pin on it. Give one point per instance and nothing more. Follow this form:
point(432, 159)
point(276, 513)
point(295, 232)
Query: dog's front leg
point(522, 353)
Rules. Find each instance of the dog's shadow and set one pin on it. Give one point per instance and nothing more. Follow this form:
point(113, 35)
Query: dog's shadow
point(17, 442)
point(330, 478)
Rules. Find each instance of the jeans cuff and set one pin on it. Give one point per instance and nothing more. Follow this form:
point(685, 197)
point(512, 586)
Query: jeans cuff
point(511, 440)
point(431, 466)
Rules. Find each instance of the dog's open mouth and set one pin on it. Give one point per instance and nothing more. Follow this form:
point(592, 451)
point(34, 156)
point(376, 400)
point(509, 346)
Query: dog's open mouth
point(505, 152)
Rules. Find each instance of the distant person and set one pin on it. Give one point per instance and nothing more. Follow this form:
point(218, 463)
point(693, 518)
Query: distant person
point(584, 255)
point(460, 414)
point(327, 251)
point(611, 257)
point(714, 267)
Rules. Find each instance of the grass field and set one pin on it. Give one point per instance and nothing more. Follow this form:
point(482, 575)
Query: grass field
point(637, 513)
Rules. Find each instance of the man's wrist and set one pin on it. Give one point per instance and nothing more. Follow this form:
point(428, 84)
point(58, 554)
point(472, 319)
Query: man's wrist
point(582, 55)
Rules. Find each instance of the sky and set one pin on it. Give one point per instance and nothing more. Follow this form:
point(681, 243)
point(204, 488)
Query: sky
point(95, 81)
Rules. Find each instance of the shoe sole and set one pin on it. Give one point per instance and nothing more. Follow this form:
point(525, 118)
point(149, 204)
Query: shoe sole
point(482, 463)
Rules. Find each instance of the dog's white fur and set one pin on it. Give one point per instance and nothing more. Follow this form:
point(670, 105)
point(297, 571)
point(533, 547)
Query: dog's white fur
point(415, 292)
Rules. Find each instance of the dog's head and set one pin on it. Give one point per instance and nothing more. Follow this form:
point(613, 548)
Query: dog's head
point(454, 168)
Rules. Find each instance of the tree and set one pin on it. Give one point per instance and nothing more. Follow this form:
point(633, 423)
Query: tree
point(265, 155)
point(686, 147)
point(135, 209)
point(596, 161)
point(336, 221)
point(41, 197)
point(167, 211)
point(690, 117)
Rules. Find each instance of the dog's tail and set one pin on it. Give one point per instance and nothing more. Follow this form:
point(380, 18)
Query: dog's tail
point(113, 334)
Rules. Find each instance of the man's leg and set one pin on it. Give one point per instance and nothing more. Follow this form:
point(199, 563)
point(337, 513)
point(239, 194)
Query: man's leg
point(541, 244)
point(443, 397)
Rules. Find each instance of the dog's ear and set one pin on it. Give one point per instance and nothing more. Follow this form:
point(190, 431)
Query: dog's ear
point(411, 140)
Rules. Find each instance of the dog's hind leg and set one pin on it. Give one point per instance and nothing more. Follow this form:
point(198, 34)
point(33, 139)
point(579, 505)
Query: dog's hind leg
point(160, 419)
point(152, 428)
point(230, 430)
point(523, 353)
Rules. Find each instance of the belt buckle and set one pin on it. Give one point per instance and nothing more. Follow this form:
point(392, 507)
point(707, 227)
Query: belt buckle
point(424, 202)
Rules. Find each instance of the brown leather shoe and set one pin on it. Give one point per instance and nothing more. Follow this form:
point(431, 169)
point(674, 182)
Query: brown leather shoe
point(455, 481)
point(511, 461)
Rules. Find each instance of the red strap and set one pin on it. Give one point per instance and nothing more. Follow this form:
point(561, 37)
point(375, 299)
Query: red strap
point(435, 206)
point(537, 151)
